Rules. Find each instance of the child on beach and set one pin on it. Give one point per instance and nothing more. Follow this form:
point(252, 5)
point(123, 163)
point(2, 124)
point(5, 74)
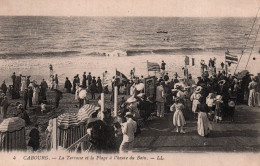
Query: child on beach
point(211, 103)
point(178, 118)
point(219, 108)
point(204, 125)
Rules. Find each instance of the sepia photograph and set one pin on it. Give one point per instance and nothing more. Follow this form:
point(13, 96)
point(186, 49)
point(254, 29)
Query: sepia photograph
point(142, 82)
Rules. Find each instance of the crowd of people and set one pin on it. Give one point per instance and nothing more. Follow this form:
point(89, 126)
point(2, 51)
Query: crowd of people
point(211, 98)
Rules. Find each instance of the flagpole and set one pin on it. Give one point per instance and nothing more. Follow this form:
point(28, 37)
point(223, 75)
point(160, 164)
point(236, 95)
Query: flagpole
point(225, 63)
point(147, 68)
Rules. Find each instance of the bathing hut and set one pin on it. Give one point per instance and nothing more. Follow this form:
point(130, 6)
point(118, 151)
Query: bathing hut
point(70, 129)
point(12, 134)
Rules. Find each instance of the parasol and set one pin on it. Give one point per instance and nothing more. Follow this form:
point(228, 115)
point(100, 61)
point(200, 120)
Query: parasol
point(82, 94)
point(86, 111)
point(139, 86)
point(12, 124)
point(67, 120)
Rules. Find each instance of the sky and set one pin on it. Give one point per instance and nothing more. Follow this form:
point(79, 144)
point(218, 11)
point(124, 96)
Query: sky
point(118, 8)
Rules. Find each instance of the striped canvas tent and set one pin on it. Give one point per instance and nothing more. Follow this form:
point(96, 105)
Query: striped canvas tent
point(67, 120)
point(85, 112)
point(12, 134)
point(70, 129)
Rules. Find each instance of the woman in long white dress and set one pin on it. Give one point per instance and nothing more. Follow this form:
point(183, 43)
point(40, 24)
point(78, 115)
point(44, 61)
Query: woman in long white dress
point(23, 82)
point(204, 125)
point(195, 98)
point(252, 100)
point(36, 95)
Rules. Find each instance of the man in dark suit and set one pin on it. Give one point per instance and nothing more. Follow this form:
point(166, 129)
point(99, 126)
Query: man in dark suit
point(25, 98)
point(30, 96)
point(58, 97)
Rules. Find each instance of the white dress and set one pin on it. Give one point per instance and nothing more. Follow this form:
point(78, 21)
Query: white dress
point(178, 118)
point(252, 100)
point(203, 124)
point(195, 97)
point(23, 82)
point(35, 98)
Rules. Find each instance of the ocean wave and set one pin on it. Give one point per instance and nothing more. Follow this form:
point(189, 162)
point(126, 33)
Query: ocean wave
point(166, 51)
point(117, 53)
point(37, 54)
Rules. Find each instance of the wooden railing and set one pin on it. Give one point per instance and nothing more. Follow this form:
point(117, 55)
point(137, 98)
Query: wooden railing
point(78, 143)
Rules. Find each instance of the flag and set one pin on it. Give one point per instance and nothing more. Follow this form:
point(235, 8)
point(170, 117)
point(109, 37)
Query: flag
point(187, 60)
point(121, 76)
point(152, 66)
point(231, 58)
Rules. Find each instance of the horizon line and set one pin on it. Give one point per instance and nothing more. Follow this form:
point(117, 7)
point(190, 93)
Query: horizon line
point(127, 16)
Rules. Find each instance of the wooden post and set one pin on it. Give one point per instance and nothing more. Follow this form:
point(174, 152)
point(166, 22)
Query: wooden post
point(102, 105)
point(225, 64)
point(115, 100)
point(54, 134)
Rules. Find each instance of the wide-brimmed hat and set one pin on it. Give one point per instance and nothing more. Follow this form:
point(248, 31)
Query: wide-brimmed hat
point(219, 98)
point(187, 87)
point(20, 106)
point(174, 90)
point(210, 95)
point(222, 82)
point(198, 89)
point(131, 100)
point(177, 86)
point(141, 95)
point(128, 114)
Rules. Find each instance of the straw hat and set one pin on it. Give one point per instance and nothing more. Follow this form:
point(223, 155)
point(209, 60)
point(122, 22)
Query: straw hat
point(198, 89)
point(219, 98)
point(20, 106)
point(140, 95)
point(177, 86)
point(128, 114)
point(174, 90)
point(131, 100)
point(221, 82)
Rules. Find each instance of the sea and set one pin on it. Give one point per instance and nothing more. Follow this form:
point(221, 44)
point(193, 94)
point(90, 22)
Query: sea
point(94, 44)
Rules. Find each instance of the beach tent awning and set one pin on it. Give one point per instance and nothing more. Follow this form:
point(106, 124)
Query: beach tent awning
point(67, 120)
point(86, 111)
point(12, 124)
